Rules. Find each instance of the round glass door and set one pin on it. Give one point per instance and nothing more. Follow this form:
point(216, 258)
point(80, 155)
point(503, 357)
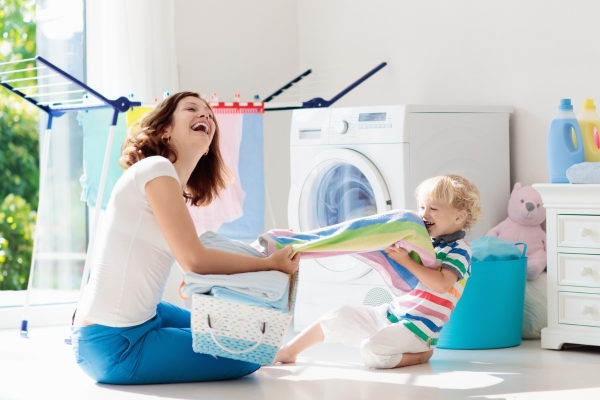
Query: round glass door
point(336, 190)
point(339, 192)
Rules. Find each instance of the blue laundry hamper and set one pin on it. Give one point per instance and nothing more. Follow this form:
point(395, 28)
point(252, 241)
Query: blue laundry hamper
point(489, 314)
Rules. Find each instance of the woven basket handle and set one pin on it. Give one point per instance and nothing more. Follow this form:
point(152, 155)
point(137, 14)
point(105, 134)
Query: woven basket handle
point(248, 350)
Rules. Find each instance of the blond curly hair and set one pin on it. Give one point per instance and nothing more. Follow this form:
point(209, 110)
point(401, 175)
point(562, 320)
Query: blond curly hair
point(456, 191)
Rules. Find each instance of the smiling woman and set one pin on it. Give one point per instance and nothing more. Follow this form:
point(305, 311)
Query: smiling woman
point(123, 333)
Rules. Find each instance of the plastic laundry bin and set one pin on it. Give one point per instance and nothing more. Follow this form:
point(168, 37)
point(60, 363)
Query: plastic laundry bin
point(489, 314)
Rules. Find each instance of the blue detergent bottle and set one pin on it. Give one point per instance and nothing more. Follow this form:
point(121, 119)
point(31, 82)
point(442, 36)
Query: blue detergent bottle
point(562, 152)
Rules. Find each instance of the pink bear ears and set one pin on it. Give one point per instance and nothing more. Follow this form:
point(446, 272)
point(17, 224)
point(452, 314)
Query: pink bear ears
point(517, 186)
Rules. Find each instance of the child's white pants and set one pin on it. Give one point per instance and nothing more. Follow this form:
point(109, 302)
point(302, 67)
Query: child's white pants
point(380, 341)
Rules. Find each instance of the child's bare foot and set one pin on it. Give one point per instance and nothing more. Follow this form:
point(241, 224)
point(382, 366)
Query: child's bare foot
point(414, 358)
point(284, 357)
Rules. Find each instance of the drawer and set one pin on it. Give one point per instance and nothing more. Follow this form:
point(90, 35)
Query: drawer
point(579, 270)
point(579, 309)
point(579, 231)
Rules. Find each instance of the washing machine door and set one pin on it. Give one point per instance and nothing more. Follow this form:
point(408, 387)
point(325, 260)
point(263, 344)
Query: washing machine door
point(337, 185)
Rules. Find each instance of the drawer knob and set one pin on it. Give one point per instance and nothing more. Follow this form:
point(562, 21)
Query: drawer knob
point(585, 232)
point(585, 310)
point(585, 271)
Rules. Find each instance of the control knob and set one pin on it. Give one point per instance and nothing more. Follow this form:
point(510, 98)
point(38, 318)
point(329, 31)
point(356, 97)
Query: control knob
point(340, 127)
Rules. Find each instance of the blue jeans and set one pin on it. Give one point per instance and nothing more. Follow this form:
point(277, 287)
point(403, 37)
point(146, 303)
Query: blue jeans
point(157, 351)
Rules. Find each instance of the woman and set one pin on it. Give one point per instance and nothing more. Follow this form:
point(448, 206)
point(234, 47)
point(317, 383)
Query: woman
point(123, 333)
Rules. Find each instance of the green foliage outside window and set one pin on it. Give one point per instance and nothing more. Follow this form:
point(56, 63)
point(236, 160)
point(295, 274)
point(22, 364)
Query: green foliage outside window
point(19, 147)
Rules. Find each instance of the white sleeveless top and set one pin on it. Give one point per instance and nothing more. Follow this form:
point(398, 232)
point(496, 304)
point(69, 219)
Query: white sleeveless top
point(132, 260)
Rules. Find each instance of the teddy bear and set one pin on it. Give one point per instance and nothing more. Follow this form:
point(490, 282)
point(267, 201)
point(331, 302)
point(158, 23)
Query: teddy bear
point(525, 215)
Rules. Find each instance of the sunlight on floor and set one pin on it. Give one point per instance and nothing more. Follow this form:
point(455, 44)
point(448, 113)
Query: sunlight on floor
point(579, 394)
point(460, 380)
point(342, 372)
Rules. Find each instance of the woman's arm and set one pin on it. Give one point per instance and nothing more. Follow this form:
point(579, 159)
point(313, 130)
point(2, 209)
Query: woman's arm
point(175, 222)
point(439, 281)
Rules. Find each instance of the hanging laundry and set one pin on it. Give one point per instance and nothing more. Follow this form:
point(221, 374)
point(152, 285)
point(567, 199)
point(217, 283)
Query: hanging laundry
point(95, 136)
point(238, 212)
point(95, 125)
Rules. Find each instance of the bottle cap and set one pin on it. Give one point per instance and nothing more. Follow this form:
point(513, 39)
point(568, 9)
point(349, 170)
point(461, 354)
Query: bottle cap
point(565, 104)
point(588, 104)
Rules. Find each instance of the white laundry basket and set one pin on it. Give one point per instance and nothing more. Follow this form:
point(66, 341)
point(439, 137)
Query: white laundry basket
point(240, 331)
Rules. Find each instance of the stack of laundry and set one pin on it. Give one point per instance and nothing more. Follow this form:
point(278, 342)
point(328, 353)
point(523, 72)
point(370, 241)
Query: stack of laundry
point(268, 289)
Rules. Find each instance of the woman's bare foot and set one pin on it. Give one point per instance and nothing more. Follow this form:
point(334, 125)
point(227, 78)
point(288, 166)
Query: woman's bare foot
point(283, 356)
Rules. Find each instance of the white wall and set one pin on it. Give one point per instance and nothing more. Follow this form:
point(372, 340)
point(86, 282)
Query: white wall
point(526, 55)
point(246, 47)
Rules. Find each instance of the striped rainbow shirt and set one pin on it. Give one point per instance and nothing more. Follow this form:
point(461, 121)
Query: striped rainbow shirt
point(423, 311)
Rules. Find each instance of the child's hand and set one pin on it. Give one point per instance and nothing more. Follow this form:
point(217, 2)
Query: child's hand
point(398, 254)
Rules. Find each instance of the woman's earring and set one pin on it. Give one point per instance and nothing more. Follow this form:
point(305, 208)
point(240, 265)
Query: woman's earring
point(206, 153)
point(166, 141)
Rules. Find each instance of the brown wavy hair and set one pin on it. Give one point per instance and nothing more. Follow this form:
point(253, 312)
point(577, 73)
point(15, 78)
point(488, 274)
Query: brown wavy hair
point(145, 139)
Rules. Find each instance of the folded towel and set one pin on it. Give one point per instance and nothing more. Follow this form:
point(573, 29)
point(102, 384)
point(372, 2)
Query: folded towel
point(364, 238)
point(237, 297)
point(586, 172)
point(263, 285)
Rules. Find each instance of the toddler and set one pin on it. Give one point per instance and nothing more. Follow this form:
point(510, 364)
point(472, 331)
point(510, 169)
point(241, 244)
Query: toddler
point(405, 331)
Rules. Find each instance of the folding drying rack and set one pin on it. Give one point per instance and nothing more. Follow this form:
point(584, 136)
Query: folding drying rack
point(60, 93)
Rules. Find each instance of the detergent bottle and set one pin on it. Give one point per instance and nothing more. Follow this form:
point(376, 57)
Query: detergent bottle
point(589, 123)
point(562, 152)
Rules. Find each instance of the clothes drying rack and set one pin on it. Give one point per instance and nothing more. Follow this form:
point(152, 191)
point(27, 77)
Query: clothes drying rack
point(48, 76)
point(316, 102)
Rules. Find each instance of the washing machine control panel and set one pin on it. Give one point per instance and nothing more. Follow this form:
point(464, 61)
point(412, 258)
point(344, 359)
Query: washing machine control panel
point(382, 124)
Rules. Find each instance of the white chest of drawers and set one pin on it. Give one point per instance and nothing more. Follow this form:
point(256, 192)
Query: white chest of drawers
point(573, 246)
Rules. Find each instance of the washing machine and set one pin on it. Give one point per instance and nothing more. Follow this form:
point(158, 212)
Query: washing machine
point(358, 161)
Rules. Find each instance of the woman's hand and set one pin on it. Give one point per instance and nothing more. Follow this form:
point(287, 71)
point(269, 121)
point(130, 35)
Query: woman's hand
point(281, 261)
point(398, 254)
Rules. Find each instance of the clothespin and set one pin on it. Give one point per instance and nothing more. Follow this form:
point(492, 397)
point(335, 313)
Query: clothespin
point(214, 98)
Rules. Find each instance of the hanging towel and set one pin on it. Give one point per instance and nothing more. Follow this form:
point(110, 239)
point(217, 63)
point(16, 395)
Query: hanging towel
point(96, 124)
point(252, 178)
point(365, 239)
point(266, 286)
point(238, 212)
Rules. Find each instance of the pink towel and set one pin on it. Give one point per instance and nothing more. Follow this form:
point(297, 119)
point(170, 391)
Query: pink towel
point(228, 206)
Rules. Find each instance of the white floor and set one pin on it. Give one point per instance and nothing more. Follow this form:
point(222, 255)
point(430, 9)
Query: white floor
point(42, 367)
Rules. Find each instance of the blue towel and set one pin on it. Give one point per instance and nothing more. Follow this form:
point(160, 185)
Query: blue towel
point(236, 297)
point(96, 124)
point(491, 248)
point(586, 172)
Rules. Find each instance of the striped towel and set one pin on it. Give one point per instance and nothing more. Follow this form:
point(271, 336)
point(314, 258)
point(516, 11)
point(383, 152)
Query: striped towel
point(365, 238)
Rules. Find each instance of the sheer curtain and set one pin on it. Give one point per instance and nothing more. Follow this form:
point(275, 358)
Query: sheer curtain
point(130, 46)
